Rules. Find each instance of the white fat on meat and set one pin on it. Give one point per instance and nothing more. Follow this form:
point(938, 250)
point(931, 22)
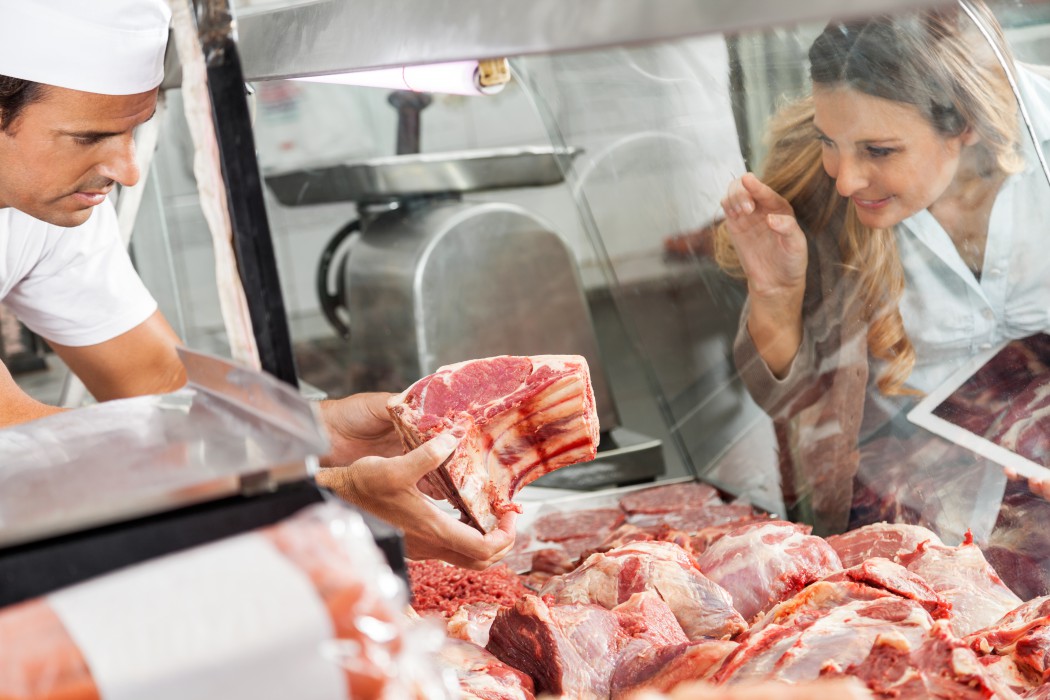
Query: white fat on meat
point(963, 577)
point(702, 607)
point(831, 641)
point(518, 418)
point(763, 563)
point(889, 540)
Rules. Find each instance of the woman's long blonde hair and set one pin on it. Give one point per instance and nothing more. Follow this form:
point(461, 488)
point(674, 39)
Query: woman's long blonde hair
point(938, 62)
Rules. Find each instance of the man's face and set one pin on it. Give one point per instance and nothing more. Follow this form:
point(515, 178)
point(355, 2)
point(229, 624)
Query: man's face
point(64, 152)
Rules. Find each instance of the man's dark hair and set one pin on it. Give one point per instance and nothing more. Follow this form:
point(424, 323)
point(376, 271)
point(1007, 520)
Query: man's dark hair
point(15, 95)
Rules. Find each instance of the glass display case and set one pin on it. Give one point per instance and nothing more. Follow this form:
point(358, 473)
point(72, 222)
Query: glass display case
point(657, 131)
point(802, 255)
point(641, 121)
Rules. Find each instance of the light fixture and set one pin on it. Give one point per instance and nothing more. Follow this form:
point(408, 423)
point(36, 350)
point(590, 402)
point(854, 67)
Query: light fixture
point(484, 77)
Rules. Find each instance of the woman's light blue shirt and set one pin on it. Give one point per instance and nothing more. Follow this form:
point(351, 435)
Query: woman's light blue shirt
point(948, 313)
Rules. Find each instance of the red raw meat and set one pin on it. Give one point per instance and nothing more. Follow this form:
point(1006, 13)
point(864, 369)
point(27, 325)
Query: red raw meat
point(646, 617)
point(1022, 634)
point(481, 675)
point(962, 575)
point(702, 608)
point(661, 668)
point(520, 418)
point(471, 622)
point(552, 561)
point(878, 572)
point(443, 588)
point(568, 650)
point(813, 601)
point(573, 650)
point(694, 518)
point(763, 563)
point(669, 498)
point(815, 643)
point(555, 527)
point(940, 667)
point(889, 540)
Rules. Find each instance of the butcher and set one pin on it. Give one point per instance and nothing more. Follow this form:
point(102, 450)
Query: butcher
point(76, 79)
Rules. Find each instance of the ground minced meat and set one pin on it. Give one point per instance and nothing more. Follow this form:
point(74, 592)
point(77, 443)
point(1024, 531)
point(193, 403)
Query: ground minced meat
point(442, 588)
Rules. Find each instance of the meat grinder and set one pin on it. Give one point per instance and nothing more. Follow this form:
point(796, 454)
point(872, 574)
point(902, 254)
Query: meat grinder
point(424, 278)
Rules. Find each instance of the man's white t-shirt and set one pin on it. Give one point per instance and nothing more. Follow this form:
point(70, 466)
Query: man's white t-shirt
point(74, 286)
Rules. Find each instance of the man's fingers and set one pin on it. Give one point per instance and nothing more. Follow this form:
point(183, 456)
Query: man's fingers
point(428, 456)
point(468, 542)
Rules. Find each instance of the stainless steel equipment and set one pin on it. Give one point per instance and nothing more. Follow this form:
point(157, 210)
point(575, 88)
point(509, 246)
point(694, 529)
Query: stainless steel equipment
point(424, 278)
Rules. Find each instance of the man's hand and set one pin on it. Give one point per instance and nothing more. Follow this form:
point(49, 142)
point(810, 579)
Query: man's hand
point(386, 488)
point(359, 426)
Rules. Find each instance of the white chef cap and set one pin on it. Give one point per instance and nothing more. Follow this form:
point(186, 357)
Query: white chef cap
point(112, 47)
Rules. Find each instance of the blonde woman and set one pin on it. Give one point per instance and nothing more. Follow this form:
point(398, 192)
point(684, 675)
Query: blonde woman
point(889, 238)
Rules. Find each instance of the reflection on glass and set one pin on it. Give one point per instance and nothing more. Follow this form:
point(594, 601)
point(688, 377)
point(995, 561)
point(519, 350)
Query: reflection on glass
point(890, 233)
point(912, 206)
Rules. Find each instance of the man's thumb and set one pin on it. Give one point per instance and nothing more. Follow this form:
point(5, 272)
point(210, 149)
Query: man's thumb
point(435, 451)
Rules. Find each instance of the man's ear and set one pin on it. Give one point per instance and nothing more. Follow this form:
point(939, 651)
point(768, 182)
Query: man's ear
point(970, 136)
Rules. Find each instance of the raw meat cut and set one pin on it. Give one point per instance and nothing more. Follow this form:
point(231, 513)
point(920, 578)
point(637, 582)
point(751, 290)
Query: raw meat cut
point(519, 418)
point(557, 526)
point(574, 649)
point(814, 600)
point(646, 617)
point(887, 540)
point(568, 650)
point(693, 518)
point(894, 578)
point(552, 561)
point(963, 577)
point(763, 563)
point(661, 668)
point(670, 498)
point(941, 666)
point(481, 675)
point(821, 642)
point(1022, 634)
point(824, 689)
point(471, 622)
point(702, 608)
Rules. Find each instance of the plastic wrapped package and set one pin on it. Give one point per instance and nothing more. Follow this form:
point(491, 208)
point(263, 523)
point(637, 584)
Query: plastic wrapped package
point(305, 609)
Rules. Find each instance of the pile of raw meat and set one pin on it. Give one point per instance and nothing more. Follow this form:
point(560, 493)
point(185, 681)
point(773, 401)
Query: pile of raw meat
point(677, 586)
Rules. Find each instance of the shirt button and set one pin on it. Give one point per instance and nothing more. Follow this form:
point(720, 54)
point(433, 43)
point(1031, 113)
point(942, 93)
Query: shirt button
point(995, 272)
point(988, 314)
point(985, 346)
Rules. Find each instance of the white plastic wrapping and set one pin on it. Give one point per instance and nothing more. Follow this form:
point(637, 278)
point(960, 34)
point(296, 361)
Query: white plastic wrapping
point(307, 608)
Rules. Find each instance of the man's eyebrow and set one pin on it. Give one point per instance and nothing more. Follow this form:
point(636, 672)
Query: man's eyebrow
point(98, 135)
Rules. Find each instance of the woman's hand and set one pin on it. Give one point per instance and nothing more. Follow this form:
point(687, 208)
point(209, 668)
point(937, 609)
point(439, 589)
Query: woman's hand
point(768, 240)
point(773, 253)
point(387, 488)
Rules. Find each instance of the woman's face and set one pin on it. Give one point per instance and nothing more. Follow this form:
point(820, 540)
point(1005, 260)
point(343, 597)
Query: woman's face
point(884, 155)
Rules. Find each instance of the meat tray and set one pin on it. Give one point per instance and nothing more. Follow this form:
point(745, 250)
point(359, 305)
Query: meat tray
point(536, 501)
